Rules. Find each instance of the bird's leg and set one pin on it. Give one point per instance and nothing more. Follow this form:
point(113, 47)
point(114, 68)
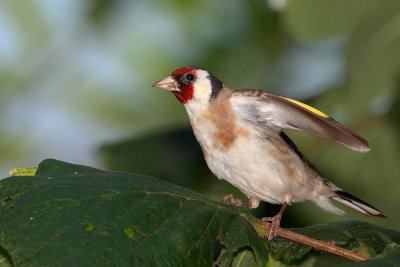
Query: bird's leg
point(276, 220)
point(252, 204)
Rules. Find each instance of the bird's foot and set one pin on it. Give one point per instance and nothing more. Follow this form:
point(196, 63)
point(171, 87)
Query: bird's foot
point(274, 227)
point(235, 201)
point(276, 220)
point(331, 242)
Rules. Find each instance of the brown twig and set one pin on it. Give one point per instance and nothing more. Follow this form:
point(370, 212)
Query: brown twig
point(263, 230)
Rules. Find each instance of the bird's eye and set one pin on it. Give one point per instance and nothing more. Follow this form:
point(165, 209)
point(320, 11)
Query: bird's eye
point(187, 78)
point(190, 76)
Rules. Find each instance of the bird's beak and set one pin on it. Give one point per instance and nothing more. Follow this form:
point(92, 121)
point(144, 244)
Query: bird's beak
point(168, 83)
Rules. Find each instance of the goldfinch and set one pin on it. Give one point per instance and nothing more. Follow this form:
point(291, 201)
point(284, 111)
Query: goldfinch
point(240, 133)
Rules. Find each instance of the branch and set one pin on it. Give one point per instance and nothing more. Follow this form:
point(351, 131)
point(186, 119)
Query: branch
point(263, 230)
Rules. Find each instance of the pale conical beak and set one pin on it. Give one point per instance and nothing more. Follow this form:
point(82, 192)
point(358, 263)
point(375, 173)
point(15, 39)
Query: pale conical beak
point(168, 83)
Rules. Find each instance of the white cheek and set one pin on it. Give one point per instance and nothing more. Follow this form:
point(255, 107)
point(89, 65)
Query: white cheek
point(202, 94)
point(202, 90)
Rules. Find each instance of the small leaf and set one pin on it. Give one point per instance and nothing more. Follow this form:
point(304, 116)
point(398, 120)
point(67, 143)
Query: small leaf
point(244, 258)
point(19, 171)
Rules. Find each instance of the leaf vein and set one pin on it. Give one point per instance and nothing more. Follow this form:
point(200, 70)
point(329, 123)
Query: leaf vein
point(202, 234)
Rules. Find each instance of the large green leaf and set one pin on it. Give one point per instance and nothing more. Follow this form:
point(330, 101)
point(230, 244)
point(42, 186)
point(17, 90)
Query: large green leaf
point(76, 215)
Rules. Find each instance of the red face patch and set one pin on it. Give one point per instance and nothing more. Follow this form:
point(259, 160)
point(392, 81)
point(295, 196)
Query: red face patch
point(187, 91)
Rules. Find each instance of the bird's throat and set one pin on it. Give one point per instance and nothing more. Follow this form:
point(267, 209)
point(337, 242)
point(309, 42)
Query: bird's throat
point(186, 94)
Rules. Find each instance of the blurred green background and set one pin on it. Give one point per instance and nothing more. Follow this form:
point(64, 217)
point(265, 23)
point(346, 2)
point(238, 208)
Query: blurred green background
point(75, 85)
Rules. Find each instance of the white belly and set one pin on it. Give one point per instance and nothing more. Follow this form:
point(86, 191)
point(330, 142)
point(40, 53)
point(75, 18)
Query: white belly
point(251, 170)
point(251, 165)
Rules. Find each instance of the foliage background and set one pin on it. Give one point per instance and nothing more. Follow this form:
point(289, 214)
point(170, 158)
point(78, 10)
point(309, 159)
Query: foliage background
point(75, 85)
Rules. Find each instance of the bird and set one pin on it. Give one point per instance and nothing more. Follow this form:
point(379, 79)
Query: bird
point(241, 134)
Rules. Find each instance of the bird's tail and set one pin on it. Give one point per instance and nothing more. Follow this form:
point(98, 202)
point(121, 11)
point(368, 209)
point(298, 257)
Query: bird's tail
point(357, 204)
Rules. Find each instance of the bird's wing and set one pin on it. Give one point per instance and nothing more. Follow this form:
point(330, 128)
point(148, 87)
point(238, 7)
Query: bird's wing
point(270, 110)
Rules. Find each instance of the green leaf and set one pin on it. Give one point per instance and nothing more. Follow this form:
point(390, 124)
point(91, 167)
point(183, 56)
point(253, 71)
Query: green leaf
point(75, 215)
point(244, 258)
point(363, 238)
point(389, 257)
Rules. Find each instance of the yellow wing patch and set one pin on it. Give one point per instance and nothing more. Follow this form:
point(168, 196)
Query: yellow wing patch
point(313, 110)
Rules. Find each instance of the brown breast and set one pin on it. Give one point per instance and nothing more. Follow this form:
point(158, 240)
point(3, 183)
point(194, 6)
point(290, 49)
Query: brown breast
point(221, 114)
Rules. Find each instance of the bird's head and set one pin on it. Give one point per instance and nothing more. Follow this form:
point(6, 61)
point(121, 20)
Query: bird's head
point(191, 84)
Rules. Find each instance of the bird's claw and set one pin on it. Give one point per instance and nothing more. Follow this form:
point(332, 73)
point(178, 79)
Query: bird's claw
point(331, 242)
point(274, 227)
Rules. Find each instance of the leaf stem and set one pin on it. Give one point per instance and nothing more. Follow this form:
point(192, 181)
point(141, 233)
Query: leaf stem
point(263, 230)
point(325, 246)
